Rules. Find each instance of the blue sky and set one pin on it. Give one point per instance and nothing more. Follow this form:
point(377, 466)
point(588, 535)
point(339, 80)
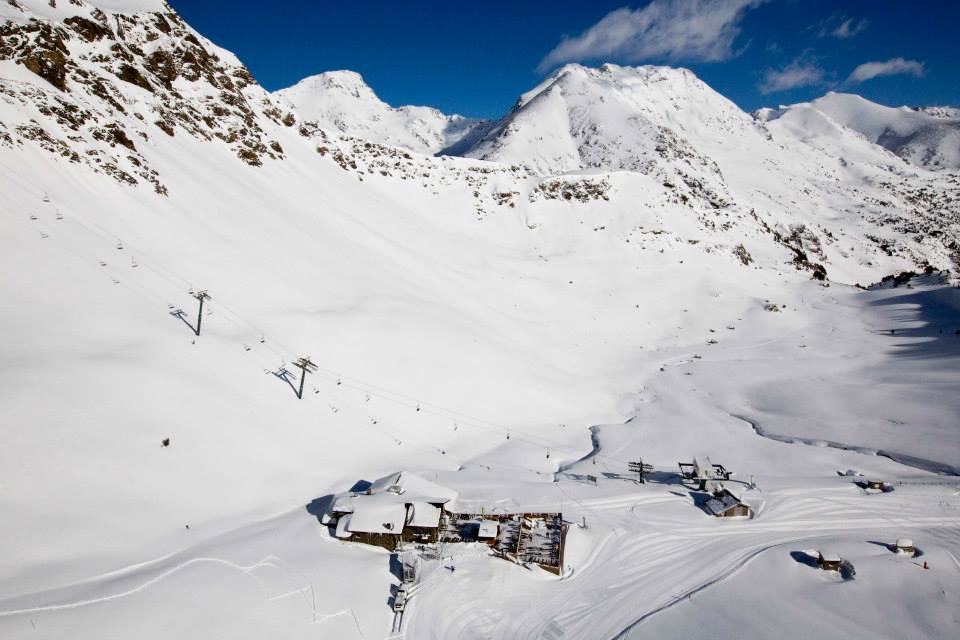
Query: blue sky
point(475, 58)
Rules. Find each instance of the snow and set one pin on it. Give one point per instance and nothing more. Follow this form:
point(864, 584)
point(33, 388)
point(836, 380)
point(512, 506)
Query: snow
point(68, 8)
point(925, 139)
point(497, 354)
point(488, 529)
point(342, 101)
point(423, 514)
point(378, 513)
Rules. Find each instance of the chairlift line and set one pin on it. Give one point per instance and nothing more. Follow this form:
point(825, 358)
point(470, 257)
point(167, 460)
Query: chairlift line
point(369, 389)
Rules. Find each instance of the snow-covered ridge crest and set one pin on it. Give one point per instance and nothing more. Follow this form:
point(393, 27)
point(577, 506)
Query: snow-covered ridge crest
point(62, 9)
point(343, 101)
point(926, 137)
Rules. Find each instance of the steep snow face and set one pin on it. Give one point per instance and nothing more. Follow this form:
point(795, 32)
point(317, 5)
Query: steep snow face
point(925, 137)
point(617, 118)
point(342, 101)
point(793, 172)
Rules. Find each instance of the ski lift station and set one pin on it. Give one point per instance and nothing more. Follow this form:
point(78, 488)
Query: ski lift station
point(406, 508)
point(703, 471)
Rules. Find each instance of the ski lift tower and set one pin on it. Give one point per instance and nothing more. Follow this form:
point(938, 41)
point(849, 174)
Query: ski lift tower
point(639, 468)
point(201, 296)
point(306, 366)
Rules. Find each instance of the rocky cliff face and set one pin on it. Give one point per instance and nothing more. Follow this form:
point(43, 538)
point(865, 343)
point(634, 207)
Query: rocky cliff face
point(93, 86)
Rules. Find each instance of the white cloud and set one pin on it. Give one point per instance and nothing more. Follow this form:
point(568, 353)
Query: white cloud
point(892, 67)
point(840, 26)
point(799, 73)
point(848, 28)
point(673, 30)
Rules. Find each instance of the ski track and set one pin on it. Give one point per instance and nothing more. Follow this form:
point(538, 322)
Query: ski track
point(673, 555)
point(932, 466)
point(269, 561)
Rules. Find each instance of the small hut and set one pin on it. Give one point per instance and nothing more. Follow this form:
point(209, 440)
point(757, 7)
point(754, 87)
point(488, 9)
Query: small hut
point(873, 484)
point(488, 531)
point(423, 522)
point(829, 561)
point(726, 504)
point(905, 546)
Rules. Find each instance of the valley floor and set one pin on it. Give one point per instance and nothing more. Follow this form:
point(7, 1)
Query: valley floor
point(649, 558)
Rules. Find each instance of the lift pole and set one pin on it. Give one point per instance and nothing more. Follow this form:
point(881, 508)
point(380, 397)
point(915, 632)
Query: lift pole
point(305, 366)
point(201, 296)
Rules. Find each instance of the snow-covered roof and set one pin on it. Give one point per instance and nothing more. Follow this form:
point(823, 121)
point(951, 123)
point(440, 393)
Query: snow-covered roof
point(412, 487)
point(379, 513)
point(722, 502)
point(904, 542)
point(391, 503)
point(343, 503)
point(704, 468)
point(488, 529)
point(830, 556)
point(343, 527)
point(423, 514)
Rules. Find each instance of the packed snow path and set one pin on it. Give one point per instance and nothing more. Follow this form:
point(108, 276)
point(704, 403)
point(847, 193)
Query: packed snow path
point(646, 549)
point(656, 553)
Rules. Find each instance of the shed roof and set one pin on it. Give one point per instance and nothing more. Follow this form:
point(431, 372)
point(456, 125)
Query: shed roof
point(379, 513)
point(488, 529)
point(343, 525)
point(412, 487)
point(722, 502)
point(830, 556)
point(423, 514)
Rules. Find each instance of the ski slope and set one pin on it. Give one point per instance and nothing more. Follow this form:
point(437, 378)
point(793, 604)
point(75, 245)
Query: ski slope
point(502, 326)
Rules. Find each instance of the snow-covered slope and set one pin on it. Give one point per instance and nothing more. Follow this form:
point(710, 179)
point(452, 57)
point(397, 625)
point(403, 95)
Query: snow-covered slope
point(495, 330)
point(800, 171)
point(342, 101)
point(925, 137)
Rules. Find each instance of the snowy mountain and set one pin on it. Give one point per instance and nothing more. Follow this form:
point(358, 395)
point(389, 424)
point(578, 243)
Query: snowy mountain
point(624, 266)
point(665, 123)
point(927, 137)
point(342, 101)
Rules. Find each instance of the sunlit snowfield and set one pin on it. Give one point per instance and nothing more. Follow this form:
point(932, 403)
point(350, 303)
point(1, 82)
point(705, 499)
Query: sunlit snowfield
point(505, 351)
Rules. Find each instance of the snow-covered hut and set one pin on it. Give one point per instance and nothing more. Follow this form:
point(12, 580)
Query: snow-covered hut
point(829, 561)
point(726, 504)
point(905, 546)
point(399, 507)
point(488, 531)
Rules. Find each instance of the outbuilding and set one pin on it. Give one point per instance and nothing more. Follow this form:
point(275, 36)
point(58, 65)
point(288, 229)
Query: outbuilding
point(488, 531)
point(726, 504)
point(401, 507)
point(829, 561)
point(905, 546)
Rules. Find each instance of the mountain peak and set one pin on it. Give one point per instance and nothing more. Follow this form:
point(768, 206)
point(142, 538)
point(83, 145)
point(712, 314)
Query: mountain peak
point(347, 82)
point(343, 101)
point(927, 138)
